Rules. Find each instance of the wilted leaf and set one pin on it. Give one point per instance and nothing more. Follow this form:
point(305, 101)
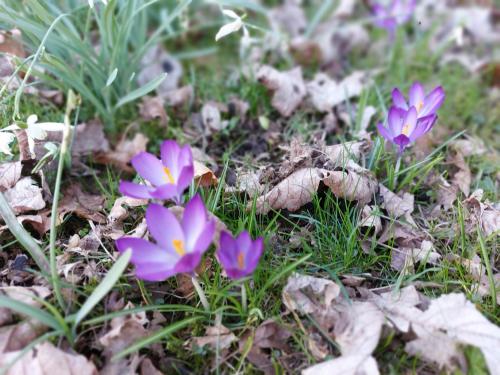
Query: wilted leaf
point(369, 219)
point(84, 205)
point(46, 359)
point(397, 205)
point(404, 259)
point(10, 173)
point(25, 196)
point(18, 336)
point(125, 330)
point(156, 62)
point(124, 151)
point(289, 17)
point(203, 175)
point(26, 295)
point(351, 186)
point(288, 88)
point(217, 337)
point(451, 321)
point(326, 93)
point(211, 117)
point(153, 107)
point(293, 192)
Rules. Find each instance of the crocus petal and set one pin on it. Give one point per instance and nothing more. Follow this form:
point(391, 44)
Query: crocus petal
point(154, 271)
point(185, 178)
point(402, 141)
point(205, 238)
point(145, 252)
point(227, 252)
point(254, 254)
point(188, 263)
point(150, 168)
point(170, 157)
point(424, 124)
point(133, 190)
point(164, 227)
point(165, 192)
point(384, 132)
point(395, 120)
point(194, 220)
point(433, 101)
point(417, 96)
point(398, 99)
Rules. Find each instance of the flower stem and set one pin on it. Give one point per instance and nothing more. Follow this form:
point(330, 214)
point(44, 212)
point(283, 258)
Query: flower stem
point(396, 171)
point(201, 293)
point(244, 303)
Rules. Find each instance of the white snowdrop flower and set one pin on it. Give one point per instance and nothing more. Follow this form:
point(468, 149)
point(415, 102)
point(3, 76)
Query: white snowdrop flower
point(91, 2)
point(6, 139)
point(230, 27)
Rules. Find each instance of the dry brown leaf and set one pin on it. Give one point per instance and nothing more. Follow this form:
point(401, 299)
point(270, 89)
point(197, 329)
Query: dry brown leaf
point(369, 219)
point(46, 359)
point(289, 17)
point(463, 177)
point(326, 93)
point(397, 205)
point(84, 205)
point(203, 175)
point(308, 294)
point(125, 330)
point(351, 186)
point(124, 151)
point(471, 146)
point(340, 154)
point(18, 336)
point(11, 43)
point(153, 107)
point(357, 333)
point(293, 192)
point(451, 321)
point(288, 88)
point(211, 117)
point(404, 259)
point(217, 337)
point(247, 182)
point(10, 173)
point(473, 266)
point(482, 214)
point(25, 196)
point(179, 97)
point(147, 368)
point(269, 335)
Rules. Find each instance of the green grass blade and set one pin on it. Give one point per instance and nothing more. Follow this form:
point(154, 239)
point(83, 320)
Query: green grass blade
point(141, 91)
point(33, 312)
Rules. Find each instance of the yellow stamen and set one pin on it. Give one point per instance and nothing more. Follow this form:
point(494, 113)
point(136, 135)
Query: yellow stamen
point(169, 175)
point(179, 247)
point(419, 106)
point(406, 130)
point(241, 260)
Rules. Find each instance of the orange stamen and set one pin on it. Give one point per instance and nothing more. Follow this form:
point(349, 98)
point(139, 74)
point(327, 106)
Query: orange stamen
point(179, 247)
point(241, 260)
point(169, 175)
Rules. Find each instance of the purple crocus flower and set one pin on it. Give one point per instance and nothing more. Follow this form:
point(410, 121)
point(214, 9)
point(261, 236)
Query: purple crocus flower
point(393, 14)
point(424, 104)
point(179, 246)
point(169, 177)
point(405, 127)
point(239, 256)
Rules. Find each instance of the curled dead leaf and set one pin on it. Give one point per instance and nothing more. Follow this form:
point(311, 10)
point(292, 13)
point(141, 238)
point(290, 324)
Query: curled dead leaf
point(203, 175)
point(288, 88)
point(25, 196)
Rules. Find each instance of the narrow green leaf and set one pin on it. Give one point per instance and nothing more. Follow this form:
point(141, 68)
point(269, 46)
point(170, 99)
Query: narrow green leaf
point(33, 312)
point(104, 287)
point(112, 77)
point(157, 336)
point(141, 91)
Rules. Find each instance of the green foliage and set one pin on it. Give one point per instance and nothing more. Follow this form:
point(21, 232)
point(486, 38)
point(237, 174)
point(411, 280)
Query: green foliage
point(103, 73)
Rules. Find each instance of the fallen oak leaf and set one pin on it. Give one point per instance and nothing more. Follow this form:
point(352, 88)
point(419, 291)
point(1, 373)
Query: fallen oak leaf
point(10, 173)
point(124, 151)
point(82, 204)
point(396, 205)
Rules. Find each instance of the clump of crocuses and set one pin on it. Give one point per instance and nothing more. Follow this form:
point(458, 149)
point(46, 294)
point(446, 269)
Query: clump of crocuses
point(409, 120)
point(392, 14)
point(180, 243)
